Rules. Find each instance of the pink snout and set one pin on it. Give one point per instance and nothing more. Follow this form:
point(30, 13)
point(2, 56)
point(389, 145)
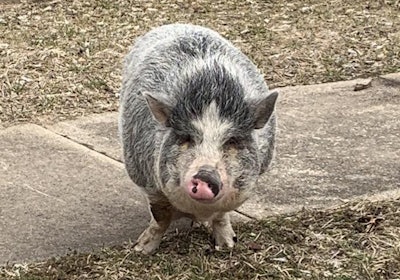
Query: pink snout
point(199, 190)
point(205, 185)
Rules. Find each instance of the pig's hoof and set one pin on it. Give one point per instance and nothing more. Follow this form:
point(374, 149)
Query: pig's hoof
point(147, 242)
point(224, 236)
point(197, 225)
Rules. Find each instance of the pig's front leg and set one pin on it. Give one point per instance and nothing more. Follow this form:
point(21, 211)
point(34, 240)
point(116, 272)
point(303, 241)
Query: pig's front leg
point(223, 232)
point(150, 239)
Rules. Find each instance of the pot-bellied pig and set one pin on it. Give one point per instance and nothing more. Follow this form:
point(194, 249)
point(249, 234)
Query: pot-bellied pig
point(197, 126)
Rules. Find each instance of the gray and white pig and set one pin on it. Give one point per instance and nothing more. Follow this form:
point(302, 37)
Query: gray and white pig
point(197, 127)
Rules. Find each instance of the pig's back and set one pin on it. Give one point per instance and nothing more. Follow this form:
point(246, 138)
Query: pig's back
point(165, 56)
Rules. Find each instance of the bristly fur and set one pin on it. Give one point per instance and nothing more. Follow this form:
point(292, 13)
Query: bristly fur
point(186, 67)
point(189, 98)
point(211, 83)
point(157, 64)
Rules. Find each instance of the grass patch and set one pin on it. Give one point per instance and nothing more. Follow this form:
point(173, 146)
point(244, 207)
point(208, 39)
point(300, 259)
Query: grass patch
point(359, 240)
point(62, 59)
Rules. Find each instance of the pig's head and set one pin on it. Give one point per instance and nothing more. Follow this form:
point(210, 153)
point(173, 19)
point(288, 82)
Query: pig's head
point(209, 157)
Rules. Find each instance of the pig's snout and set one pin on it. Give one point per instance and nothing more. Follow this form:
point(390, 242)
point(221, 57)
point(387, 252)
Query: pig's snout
point(205, 185)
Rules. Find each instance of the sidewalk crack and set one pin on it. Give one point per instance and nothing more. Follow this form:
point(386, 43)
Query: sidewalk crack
point(89, 146)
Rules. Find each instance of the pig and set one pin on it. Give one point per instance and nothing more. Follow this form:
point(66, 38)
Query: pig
point(197, 127)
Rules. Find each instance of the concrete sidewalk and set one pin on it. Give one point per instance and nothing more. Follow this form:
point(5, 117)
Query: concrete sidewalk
point(63, 186)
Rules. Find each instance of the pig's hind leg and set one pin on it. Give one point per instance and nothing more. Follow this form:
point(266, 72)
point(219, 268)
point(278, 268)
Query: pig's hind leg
point(223, 232)
point(150, 239)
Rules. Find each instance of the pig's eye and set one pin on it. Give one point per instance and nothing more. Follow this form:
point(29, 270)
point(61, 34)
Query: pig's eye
point(186, 139)
point(233, 141)
point(237, 143)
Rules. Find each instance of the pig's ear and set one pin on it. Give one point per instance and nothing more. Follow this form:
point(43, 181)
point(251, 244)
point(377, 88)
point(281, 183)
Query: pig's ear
point(263, 109)
point(160, 110)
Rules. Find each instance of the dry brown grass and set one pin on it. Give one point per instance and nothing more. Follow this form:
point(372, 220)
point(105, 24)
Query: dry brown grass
point(356, 241)
point(62, 59)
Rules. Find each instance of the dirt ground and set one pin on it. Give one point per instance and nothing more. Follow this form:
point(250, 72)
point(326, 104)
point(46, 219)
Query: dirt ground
point(62, 59)
point(357, 241)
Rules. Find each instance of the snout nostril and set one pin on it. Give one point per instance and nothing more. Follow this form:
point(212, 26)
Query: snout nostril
point(194, 189)
point(214, 188)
